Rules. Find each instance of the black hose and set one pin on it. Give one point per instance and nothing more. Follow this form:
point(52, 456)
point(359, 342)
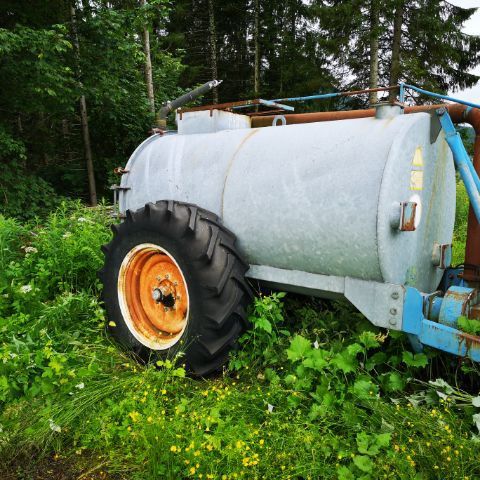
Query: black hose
point(168, 107)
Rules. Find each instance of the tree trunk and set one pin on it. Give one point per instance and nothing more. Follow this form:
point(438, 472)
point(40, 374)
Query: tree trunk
point(84, 116)
point(148, 63)
point(256, 74)
point(374, 24)
point(396, 46)
point(213, 46)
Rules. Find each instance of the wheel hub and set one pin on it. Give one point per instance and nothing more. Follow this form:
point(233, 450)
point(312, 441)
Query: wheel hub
point(153, 296)
point(165, 294)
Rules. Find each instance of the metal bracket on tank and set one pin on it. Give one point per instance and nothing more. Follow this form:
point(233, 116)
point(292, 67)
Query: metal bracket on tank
point(381, 303)
point(116, 189)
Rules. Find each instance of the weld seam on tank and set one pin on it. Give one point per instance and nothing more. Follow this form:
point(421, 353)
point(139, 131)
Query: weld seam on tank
point(244, 140)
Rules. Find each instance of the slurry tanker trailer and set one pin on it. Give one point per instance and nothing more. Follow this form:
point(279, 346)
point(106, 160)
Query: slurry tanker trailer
point(356, 205)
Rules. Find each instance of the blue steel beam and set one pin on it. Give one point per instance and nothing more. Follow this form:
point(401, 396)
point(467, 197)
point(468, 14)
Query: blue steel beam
point(438, 95)
point(462, 161)
point(436, 334)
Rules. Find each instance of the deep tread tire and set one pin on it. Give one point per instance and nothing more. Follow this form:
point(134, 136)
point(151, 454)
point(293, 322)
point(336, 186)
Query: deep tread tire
point(214, 273)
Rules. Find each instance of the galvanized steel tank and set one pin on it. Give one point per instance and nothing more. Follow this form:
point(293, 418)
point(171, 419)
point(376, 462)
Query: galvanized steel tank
point(322, 198)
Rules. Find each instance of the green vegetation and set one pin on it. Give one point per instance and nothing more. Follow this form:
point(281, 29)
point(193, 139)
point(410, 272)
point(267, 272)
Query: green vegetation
point(69, 65)
point(314, 392)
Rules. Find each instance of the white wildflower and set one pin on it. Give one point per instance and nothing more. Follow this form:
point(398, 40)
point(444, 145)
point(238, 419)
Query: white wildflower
point(30, 250)
point(54, 427)
point(270, 408)
point(67, 234)
point(82, 219)
point(80, 386)
point(316, 344)
point(26, 288)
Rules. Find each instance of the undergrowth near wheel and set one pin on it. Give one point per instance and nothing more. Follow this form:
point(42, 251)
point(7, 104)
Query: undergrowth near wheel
point(314, 390)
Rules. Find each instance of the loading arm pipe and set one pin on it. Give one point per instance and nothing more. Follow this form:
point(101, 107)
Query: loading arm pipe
point(188, 97)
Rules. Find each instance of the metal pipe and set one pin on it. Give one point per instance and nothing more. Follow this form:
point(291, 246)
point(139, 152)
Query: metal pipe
point(334, 94)
point(456, 145)
point(458, 113)
point(439, 96)
point(180, 101)
point(474, 174)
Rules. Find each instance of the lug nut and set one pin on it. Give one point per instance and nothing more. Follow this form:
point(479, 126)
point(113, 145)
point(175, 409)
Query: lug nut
point(395, 295)
point(393, 311)
point(393, 321)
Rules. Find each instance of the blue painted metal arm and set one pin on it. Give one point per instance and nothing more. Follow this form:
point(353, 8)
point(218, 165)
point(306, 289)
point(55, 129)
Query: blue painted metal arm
point(436, 334)
point(462, 161)
point(438, 95)
point(309, 97)
point(476, 179)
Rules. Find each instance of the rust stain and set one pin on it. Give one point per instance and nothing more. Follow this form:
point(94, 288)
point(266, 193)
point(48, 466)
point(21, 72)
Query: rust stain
point(408, 222)
point(232, 159)
point(472, 342)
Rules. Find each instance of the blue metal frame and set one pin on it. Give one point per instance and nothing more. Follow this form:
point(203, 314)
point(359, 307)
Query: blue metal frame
point(462, 161)
point(436, 95)
point(434, 334)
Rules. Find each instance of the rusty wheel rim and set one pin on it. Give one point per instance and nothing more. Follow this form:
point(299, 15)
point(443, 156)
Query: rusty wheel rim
point(153, 296)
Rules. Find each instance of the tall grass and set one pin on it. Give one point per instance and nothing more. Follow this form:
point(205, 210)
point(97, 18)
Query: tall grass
point(315, 392)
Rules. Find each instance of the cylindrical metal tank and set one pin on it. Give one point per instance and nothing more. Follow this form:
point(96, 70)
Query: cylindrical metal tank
point(321, 197)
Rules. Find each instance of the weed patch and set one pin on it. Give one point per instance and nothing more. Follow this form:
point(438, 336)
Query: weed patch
point(314, 392)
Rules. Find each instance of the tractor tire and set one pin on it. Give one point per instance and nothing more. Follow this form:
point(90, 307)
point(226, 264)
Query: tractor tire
point(174, 283)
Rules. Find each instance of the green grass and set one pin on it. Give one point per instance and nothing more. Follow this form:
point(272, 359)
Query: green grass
point(314, 392)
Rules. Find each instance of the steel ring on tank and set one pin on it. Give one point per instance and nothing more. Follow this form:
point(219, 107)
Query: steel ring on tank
point(153, 296)
point(276, 118)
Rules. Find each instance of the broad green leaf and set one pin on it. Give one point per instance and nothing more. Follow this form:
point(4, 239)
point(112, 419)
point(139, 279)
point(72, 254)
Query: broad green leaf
point(299, 347)
point(345, 474)
point(369, 339)
point(317, 359)
point(263, 324)
point(363, 442)
point(469, 325)
point(345, 361)
point(364, 389)
point(395, 382)
point(363, 463)
point(354, 348)
point(383, 439)
point(415, 360)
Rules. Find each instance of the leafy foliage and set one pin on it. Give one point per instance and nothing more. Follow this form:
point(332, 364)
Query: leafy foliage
point(315, 391)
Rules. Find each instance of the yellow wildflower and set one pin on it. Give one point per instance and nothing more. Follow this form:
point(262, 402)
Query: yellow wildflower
point(134, 416)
